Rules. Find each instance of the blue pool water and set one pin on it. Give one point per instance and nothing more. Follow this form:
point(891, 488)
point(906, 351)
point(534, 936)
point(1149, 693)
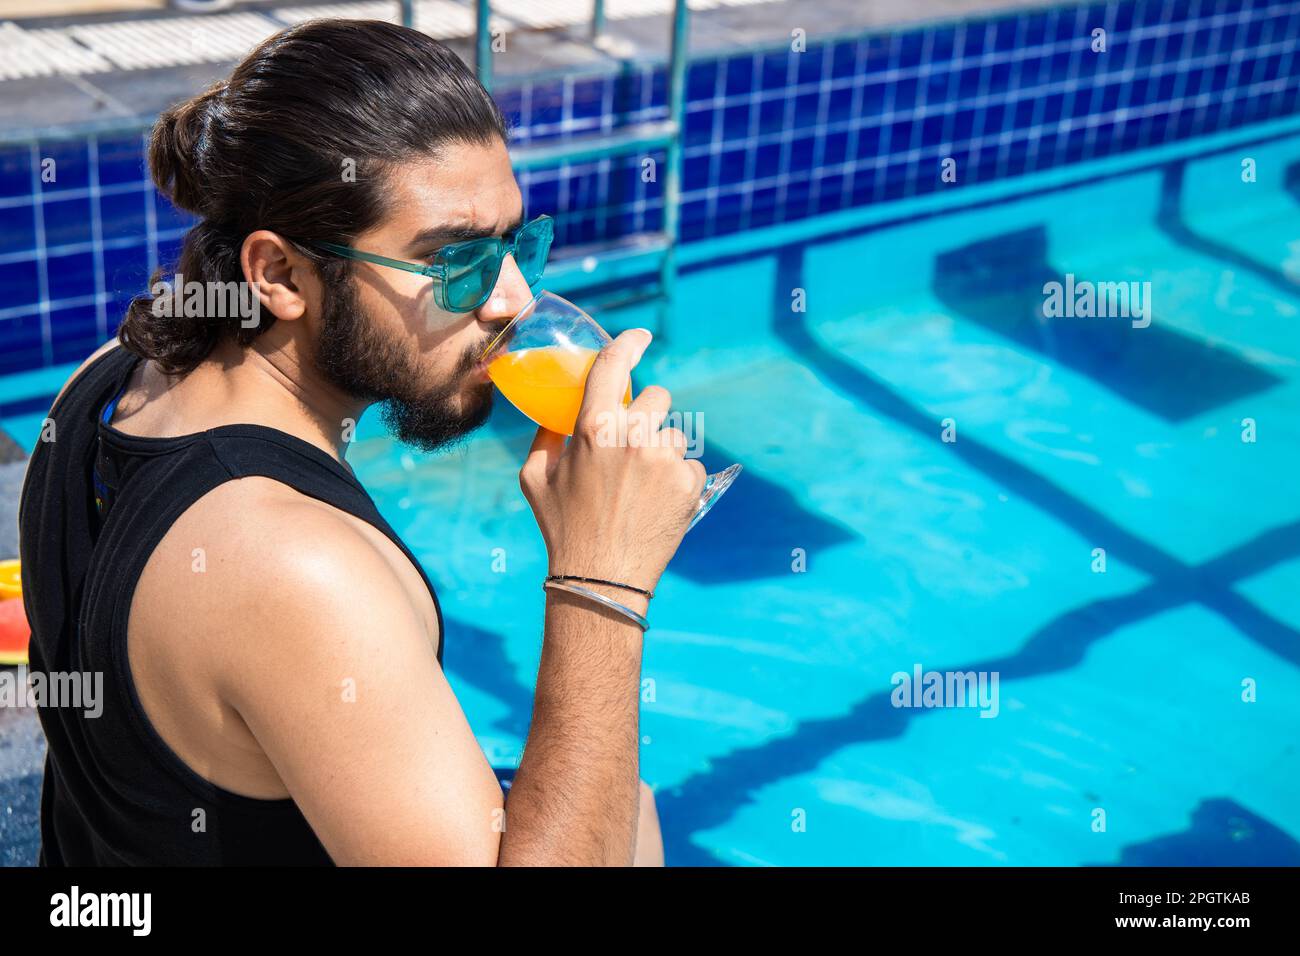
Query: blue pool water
point(1119, 690)
point(768, 730)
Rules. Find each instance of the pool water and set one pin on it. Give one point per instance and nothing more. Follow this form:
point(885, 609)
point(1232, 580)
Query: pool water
point(768, 729)
point(859, 543)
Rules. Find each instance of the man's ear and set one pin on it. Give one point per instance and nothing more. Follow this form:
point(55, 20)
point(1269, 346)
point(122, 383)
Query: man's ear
point(278, 273)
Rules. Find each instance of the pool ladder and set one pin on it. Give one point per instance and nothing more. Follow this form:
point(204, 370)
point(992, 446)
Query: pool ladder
point(623, 259)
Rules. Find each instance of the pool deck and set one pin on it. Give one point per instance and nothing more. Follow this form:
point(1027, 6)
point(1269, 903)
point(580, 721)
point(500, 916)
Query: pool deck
point(72, 91)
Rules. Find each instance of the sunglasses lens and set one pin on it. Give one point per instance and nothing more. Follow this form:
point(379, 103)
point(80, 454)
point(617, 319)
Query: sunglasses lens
point(533, 247)
point(472, 270)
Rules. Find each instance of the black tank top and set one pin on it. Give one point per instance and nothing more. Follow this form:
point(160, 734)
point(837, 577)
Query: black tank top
point(95, 504)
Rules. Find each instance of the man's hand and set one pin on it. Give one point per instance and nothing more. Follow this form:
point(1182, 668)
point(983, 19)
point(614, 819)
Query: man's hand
point(607, 511)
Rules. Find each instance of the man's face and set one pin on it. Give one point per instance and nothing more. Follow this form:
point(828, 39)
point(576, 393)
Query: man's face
point(383, 338)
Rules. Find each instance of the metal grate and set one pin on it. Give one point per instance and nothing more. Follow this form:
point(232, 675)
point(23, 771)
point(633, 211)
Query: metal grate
point(28, 53)
point(140, 44)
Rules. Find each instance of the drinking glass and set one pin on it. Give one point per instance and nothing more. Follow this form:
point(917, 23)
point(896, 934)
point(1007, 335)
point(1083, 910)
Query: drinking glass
point(540, 363)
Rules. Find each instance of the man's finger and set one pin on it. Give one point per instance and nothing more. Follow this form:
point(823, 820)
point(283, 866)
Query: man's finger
point(607, 380)
point(654, 401)
point(544, 453)
point(646, 414)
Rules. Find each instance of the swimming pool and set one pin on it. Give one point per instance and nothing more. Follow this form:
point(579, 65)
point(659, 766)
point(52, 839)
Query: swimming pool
point(768, 730)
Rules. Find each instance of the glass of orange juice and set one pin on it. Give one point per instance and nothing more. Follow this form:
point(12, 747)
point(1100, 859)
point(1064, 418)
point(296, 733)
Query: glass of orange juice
point(540, 363)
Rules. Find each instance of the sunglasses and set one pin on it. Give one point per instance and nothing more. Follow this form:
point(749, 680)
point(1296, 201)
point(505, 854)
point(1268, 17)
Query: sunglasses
point(465, 273)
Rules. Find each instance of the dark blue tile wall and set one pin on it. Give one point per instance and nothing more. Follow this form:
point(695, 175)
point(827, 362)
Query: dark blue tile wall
point(770, 137)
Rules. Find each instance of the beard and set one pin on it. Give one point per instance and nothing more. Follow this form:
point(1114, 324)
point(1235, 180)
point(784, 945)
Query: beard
point(362, 361)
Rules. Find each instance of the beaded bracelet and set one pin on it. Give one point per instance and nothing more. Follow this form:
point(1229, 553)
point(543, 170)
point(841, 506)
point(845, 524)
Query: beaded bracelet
point(627, 612)
point(612, 584)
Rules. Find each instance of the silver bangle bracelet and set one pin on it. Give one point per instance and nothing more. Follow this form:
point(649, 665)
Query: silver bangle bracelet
point(627, 612)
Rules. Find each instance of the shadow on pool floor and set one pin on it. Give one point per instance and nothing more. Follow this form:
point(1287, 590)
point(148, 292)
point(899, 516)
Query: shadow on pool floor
point(1223, 833)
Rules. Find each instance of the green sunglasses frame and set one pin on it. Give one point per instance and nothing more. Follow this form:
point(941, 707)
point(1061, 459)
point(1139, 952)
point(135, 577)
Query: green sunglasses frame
point(437, 269)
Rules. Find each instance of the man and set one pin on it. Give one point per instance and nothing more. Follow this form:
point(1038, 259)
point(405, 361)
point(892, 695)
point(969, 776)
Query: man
point(271, 652)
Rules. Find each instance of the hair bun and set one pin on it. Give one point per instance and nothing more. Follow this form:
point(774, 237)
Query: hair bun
point(177, 147)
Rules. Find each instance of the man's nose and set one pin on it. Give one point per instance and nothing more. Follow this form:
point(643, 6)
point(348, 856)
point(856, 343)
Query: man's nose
point(508, 297)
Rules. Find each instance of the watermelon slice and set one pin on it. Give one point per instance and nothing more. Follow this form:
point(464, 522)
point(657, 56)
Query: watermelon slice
point(14, 633)
point(11, 584)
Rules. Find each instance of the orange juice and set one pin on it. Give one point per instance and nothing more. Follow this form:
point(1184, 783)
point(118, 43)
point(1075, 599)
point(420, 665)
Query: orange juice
point(546, 383)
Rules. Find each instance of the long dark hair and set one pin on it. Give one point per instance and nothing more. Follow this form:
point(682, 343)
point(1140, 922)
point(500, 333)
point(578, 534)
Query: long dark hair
point(271, 148)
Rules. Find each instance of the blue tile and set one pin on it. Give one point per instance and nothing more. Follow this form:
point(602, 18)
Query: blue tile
point(71, 276)
point(868, 143)
point(802, 151)
point(699, 127)
point(589, 98)
point(1124, 17)
point(123, 214)
point(994, 118)
point(694, 222)
point(727, 214)
point(806, 109)
point(873, 99)
point(126, 271)
point(835, 149)
point(121, 160)
point(1064, 29)
point(932, 130)
point(1034, 29)
point(546, 108)
point(695, 172)
point(64, 165)
point(839, 106)
point(771, 117)
point(767, 162)
point(844, 60)
point(830, 197)
point(74, 333)
point(167, 215)
point(942, 43)
point(810, 64)
point(731, 169)
point(15, 171)
point(735, 122)
point(775, 70)
point(17, 229)
point(654, 89)
point(763, 207)
point(968, 80)
point(19, 284)
point(910, 48)
point(741, 78)
point(1006, 36)
point(701, 80)
point(963, 124)
point(20, 342)
point(905, 94)
point(1052, 107)
point(975, 38)
point(67, 221)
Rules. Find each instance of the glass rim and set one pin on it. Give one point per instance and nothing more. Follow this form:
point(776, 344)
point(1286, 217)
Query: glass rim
point(522, 315)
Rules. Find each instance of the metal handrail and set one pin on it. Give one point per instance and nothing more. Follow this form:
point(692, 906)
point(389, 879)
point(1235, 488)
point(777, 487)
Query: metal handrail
point(667, 136)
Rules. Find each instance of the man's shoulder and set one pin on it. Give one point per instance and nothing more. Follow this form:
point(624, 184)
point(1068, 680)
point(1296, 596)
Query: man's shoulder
point(255, 550)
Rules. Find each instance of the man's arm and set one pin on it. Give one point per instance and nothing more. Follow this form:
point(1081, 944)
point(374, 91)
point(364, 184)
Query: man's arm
point(324, 655)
